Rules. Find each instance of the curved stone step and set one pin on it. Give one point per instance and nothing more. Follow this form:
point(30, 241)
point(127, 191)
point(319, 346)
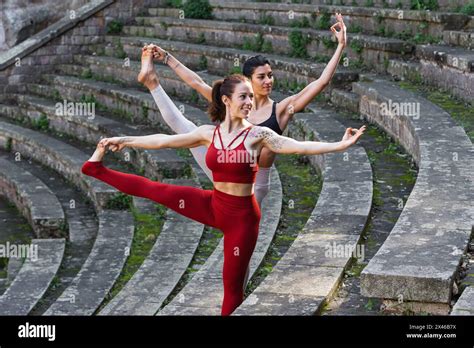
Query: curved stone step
point(448, 68)
point(374, 50)
point(34, 277)
point(202, 295)
point(465, 303)
point(55, 154)
point(311, 269)
point(164, 266)
point(92, 129)
point(437, 217)
point(459, 38)
point(33, 198)
point(101, 269)
point(366, 19)
point(443, 5)
point(130, 100)
point(221, 59)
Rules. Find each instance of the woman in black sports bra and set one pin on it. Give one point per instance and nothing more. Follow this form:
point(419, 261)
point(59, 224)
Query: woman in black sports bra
point(259, 71)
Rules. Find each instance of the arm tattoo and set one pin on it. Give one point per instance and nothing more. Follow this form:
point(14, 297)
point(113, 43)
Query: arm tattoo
point(270, 137)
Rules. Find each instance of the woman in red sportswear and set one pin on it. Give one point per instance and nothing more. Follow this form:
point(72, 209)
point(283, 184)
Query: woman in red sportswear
point(234, 146)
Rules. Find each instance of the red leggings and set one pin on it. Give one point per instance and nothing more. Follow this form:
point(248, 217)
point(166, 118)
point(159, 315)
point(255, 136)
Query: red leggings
point(237, 217)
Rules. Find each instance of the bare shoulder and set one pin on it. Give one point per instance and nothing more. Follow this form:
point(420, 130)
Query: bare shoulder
point(206, 131)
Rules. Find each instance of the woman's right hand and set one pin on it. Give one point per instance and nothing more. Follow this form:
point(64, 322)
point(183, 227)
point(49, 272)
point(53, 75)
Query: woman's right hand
point(158, 52)
point(350, 138)
point(114, 144)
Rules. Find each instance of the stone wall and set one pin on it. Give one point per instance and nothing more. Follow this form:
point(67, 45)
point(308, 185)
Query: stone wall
point(31, 59)
point(20, 19)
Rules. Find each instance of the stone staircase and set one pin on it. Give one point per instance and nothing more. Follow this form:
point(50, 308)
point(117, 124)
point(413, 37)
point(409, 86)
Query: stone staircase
point(84, 63)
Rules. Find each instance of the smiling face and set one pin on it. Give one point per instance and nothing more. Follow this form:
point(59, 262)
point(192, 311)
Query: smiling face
point(241, 101)
point(262, 80)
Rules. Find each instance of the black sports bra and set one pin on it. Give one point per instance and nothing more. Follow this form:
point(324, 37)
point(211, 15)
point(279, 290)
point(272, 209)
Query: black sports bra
point(272, 121)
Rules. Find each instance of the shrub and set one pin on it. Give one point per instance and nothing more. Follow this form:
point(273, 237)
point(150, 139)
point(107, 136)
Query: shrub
point(114, 27)
point(198, 9)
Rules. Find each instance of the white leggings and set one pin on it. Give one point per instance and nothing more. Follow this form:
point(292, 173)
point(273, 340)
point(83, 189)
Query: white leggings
point(180, 124)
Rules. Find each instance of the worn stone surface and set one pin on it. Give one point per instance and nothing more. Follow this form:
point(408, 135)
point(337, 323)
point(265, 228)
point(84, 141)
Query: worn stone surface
point(92, 128)
point(33, 278)
point(437, 217)
point(223, 59)
point(33, 198)
point(465, 303)
point(58, 155)
point(102, 267)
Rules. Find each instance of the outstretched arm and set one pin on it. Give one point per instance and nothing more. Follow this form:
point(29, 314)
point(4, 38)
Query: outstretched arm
point(192, 79)
point(281, 144)
point(299, 101)
point(159, 141)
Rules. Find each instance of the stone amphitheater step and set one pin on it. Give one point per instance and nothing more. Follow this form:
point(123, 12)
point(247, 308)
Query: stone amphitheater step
point(82, 228)
point(163, 268)
point(465, 303)
point(366, 19)
point(34, 277)
point(374, 50)
point(437, 217)
point(34, 199)
point(106, 68)
point(62, 157)
point(221, 59)
point(55, 154)
point(459, 38)
point(202, 295)
point(443, 5)
point(102, 267)
point(449, 68)
point(307, 276)
point(132, 102)
point(90, 129)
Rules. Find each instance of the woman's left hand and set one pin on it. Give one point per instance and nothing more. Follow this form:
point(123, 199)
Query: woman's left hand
point(341, 34)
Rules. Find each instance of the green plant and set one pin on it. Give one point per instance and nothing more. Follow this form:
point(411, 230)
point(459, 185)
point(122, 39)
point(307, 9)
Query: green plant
point(298, 43)
point(198, 9)
point(202, 65)
point(201, 39)
point(164, 25)
point(8, 146)
point(356, 46)
point(42, 123)
point(300, 23)
point(114, 27)
point(119, 201)
point(267, 47)
point(266, 20)
point(468, 9)
point(256, 44)
point(324, 20)
point(328, 43)
point(174, 3)
point(354, 29)
point(424, 5)
point(87, 74)
point(369, 3)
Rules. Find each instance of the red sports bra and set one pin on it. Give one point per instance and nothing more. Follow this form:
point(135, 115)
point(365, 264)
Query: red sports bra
point(232, 165)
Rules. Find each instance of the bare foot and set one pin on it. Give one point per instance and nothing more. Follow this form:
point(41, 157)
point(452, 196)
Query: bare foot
point(147, 75)
point(99, 153)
